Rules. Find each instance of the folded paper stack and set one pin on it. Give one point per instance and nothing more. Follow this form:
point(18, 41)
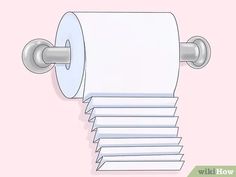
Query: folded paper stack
point(135, 133)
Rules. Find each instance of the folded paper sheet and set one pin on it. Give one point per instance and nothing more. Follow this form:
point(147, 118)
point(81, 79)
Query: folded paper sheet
point(125, 68)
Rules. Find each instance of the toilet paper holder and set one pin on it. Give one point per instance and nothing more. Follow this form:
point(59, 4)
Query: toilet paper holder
point(39, 55)
point(151, 142)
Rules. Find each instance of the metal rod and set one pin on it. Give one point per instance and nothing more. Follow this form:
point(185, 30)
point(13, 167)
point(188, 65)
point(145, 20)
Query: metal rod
point(188, 52)
point(39, 55)
point(56, 55)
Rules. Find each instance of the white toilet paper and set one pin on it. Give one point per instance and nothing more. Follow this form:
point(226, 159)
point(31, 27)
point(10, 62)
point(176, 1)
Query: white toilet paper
point(125, 67)
point(119, 54)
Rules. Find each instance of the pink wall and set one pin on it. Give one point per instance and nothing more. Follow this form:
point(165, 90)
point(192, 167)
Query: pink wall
point(44, 134)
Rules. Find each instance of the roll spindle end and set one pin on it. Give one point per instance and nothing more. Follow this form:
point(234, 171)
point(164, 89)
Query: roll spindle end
point(196, 52)
point(32, 56)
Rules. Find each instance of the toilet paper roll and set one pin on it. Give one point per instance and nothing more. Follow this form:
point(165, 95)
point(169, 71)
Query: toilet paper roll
point(118, 54)
point(125, 68)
